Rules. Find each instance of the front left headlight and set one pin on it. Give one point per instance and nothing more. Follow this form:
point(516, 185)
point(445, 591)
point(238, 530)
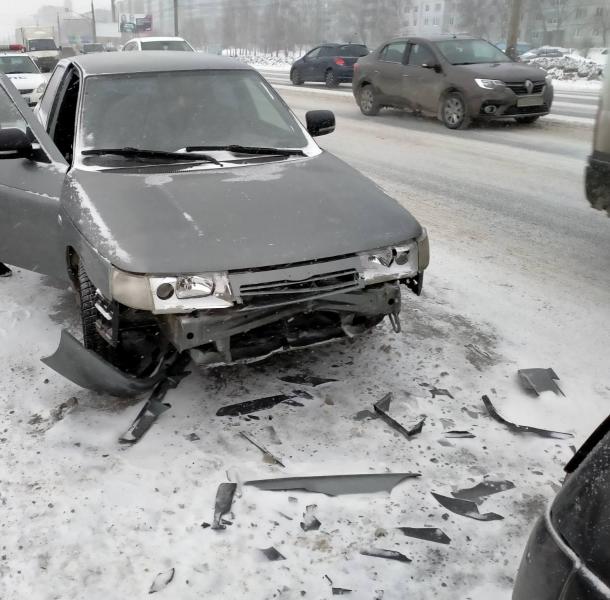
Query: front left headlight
point(41, 88)
point(489, 84)
point(548, 80)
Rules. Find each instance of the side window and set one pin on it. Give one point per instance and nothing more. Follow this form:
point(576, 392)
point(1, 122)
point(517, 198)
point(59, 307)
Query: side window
point(421, 55)
point(393, 52)
point(62, 126)
point(314, 53)
point(327, 51)
point(10, 117)
point(46, 103)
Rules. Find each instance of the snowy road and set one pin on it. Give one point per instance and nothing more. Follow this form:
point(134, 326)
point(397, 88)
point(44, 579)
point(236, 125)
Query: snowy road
point(520, 277)
point(579, 105)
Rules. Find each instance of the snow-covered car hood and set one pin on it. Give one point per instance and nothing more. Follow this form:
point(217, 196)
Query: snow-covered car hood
point(233, 217)
point(508, 71)
point(26, 81)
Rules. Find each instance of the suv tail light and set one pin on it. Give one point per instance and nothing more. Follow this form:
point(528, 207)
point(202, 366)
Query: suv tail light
point(339, 61)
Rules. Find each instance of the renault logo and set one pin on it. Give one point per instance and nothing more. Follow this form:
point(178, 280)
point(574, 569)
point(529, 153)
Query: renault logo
point(529, 86)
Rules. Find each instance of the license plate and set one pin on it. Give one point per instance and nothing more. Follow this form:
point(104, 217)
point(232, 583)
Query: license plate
point(530, 101)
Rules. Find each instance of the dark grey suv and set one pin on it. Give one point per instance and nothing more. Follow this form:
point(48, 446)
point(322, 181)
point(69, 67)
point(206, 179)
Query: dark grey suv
point(455, 78)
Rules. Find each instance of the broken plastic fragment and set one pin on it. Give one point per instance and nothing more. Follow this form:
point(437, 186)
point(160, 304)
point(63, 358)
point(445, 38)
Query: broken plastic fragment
point(309, 522)
point(272, 554)
point(388, 554)
point(337, 591)
point(302, 379)
point(222, 505)
point(335, 485)
point(522, 428)
point(440, 392)
point(459, 434)
point(244, 408)
point(466, 508)
point(483, 489)
point(540, 380)
point(266, 454)
point(429, 534)
point(383, 406)
point(161, 581)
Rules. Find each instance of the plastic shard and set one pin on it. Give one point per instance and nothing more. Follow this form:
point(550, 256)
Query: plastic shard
point(540, 380)
point(266, 454)
point(310, 522)
point(162, 580)
point(429, 534)
point(222, 505)
point(387, 554)
point(383, 406)
point(483, 490)
point(465, 508)
point(523, 428)
point(303, 379)
point(250, 406)
point(459, 434)
point(272, 554)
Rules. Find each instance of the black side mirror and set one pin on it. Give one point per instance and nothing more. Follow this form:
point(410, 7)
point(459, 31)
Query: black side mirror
point(320, 122)
point(14, 143)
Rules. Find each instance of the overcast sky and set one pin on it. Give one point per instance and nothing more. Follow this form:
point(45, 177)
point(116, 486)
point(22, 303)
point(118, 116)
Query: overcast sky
point(11, 10)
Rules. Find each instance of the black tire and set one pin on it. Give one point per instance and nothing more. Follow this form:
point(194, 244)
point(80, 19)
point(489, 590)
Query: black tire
point(295, 77)
point(527, 120)
point(367, 101)
point(92, 340)
point(454, 112)
point(331, 79)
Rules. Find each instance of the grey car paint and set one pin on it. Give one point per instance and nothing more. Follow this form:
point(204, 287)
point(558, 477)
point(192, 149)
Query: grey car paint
point(234, 218)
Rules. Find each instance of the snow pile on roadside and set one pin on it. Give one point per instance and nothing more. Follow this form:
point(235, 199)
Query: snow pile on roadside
point(267, 61)
point(569, 67)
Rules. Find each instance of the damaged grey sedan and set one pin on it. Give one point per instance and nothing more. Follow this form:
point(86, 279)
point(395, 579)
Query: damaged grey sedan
point(192, 212)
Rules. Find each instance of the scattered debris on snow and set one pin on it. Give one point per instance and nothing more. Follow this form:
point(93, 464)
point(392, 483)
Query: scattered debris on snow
point(272, 554)
point(459, 434)
point(337, 591)
point(250, 406)
point(440, 392)
point(387, 554)
point(540, 380)
point(303, 379)
point(267, 456)
point(222, 505)
point(382, 408)
point(428, 534)
point(482, 490)
point(162, 580)
point(465, 508)
point(310, 522)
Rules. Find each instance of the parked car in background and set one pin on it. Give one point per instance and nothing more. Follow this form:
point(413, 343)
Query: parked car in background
point(544, 52)
point(176, 182)
point(158, 43)
point(24, 75)
point(567, 556)
point(91, 48)
point(330, 63)
point(599, 55)
point(598, 172)
point(455, 78)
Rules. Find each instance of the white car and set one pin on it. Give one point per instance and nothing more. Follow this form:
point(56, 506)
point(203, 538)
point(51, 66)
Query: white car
point(157, 43)
point(24, 75)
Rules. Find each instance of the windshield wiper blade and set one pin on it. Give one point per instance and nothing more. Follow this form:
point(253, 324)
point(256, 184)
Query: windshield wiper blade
point(236, 148)
point(141, 153)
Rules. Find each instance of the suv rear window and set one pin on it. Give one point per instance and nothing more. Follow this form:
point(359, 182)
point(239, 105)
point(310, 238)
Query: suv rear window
point(353, 50)
point(581, 511)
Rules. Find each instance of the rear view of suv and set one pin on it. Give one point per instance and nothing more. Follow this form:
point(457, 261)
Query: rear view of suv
point(455, 78)
point(331, 63)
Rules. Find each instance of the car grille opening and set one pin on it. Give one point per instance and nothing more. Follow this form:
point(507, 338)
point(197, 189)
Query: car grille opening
point(520, 89)
point(24, 92)
point(527, 110)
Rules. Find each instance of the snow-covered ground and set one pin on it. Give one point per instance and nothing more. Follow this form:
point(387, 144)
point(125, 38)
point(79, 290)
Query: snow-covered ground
point(83, 517)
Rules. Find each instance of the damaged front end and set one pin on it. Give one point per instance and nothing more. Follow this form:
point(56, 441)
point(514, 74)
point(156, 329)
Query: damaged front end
point(237, 316)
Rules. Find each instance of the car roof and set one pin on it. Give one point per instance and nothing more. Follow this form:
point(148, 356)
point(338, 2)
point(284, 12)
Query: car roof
point(434, 38)
point(155, 61)
point(156, 39)
point(338, 45)
point(15, 54)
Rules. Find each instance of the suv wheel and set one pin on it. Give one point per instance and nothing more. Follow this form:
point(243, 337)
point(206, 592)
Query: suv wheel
point(368, 102)
point(331, 79)
point(295, 77)
point(453, 112)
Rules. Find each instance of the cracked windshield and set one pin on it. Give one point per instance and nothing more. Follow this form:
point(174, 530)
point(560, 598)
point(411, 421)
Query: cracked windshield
point(305, 298)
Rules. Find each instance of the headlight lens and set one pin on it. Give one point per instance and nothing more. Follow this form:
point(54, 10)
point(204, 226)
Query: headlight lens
point(41, 88)
point(549, 80)
point(194, 286)
point(489, 84)
point(131, 290)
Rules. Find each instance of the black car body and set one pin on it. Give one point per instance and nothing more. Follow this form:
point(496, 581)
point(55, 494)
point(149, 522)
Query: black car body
point(568, 553)
point(256, 243)
point(330, 63)
point(455, 78)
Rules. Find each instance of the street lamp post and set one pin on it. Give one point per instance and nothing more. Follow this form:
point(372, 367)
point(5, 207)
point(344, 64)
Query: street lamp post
point(93, 24)
point(176, 28)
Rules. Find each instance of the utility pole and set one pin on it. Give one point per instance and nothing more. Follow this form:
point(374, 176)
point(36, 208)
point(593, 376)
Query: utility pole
point(58, 31)
point(513, 29)
point(93, 25)
point(176, 28)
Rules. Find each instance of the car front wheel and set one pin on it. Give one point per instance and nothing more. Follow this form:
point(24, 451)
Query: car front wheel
point(454, 112)
point(295, 77)
point(367, 101)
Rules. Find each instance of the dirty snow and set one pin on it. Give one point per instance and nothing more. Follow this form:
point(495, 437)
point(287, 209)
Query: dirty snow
point(86, 517)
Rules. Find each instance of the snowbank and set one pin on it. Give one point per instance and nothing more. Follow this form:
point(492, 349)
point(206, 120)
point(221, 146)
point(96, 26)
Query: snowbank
point(569, 67)
point(265, 61)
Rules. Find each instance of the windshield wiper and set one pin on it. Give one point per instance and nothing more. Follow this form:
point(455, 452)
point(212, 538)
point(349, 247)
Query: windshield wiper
point(140, 153)
point(236, 148)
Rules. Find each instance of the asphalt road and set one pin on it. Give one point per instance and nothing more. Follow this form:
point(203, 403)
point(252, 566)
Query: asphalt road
point(580, 106)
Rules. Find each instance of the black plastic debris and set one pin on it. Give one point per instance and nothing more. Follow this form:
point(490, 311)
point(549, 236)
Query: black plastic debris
point(270, 458)
point(303, 379)
point(162, 580)
point(337, 591)
point(272, 554)
point(428, 534)
point(387, 554)
point(154, 407)
point(483, 490)
point(310, 522)
point(465, 508)
point(440, 392)
point(250, 406)
point(364, 415)
point(335, 485)
point(383, 406)
point(459, 434)
point(222, 505)
point(523, 428)
point(540, 380)
point(192, 437)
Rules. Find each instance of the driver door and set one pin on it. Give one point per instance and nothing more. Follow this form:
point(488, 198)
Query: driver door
point(30, 190)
